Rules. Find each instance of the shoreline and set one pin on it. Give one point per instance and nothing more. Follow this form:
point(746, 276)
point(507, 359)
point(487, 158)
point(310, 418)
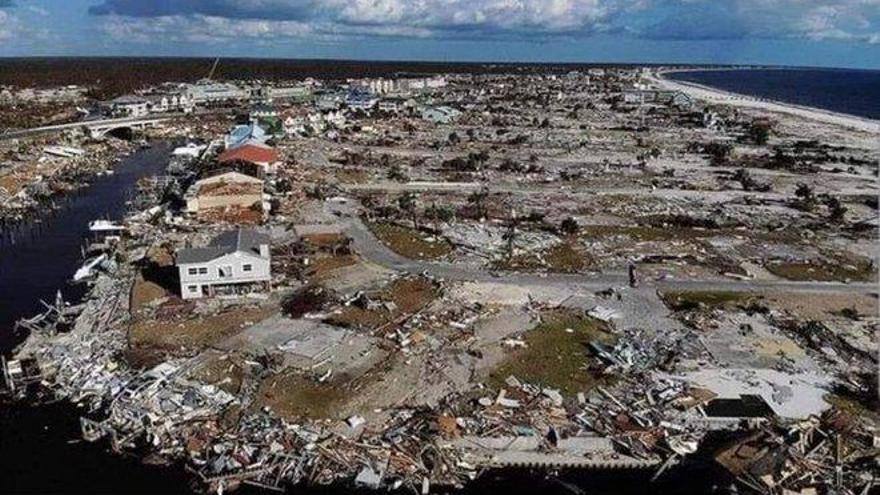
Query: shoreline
point(21, 206)
point(720, 96)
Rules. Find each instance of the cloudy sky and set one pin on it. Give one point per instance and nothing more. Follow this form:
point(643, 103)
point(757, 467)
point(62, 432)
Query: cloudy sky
point(842, 33)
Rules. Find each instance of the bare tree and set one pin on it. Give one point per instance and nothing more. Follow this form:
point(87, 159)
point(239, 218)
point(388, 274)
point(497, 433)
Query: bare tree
point(804, 197)
point(510, 234)
point(438, 214)
point(408, 202)
point(478, 200)
point(569, 226)
point(836, 210)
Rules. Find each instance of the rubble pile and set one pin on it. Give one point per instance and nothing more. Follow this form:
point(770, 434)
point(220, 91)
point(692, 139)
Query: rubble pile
point(35, 173)
point(434, 284)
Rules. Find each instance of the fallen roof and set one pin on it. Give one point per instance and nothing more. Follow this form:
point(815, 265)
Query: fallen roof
point(251, 153)
point(228, 174)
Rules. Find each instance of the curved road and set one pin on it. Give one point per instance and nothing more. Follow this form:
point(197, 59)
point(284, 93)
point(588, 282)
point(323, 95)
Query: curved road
point(371, 249)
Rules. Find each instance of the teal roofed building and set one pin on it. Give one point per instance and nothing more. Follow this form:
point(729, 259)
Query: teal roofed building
point(245, 133)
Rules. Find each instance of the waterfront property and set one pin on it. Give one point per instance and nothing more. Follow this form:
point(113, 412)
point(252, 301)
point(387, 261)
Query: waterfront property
point(224, 190)
point(675, 99)
point(170, 102)
point(233, 262)
point(129, 106)
point(251, 152)
point(244, 133)
point(207, 91)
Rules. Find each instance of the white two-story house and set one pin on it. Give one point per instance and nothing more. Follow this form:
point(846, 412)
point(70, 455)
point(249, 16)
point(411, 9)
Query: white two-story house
point(234, 262)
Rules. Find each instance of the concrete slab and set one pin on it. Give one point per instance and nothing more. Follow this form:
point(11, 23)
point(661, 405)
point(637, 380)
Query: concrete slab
point(744, 341)
point(301, 337)
point(509, 321)
point(795, 396)
point(358, 277)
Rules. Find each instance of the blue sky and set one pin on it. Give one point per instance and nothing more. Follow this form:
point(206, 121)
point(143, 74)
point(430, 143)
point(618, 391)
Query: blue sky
point(835, 33)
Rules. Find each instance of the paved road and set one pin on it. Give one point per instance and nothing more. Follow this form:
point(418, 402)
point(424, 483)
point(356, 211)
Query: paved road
point(78, 125)
point(372, 250)
point(588, 192)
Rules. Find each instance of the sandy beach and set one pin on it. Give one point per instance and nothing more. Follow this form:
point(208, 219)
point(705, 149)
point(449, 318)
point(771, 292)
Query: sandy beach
point(744, 101)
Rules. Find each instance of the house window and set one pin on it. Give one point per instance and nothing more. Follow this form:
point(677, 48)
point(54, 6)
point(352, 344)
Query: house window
point(246, 268)
point(192, 288)
point(224, 271)
point(203, 270)
point(191, 271)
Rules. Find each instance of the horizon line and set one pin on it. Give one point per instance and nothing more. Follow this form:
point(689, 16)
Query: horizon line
point(441, 62)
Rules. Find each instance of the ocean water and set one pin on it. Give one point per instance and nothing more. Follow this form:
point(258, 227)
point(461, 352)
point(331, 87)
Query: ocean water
point(854, 92)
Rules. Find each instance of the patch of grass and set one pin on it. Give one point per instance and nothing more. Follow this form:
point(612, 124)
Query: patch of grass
point(690, 300)
point(225, 372)
point(196, 333)
point(862, 407)
point(294, 396)
point(143, 292)
point(322, 266)
point(326, 242)
point(352, 175)
point(824, 271)
point(565, 257)
point(406, 295)
point(555, 357)
point(409, 243)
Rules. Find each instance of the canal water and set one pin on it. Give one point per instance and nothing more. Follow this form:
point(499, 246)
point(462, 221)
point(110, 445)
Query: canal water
point(40, 447)
point(39, 258)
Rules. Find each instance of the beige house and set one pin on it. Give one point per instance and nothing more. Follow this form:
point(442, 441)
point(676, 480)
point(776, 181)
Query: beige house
point(228, 189)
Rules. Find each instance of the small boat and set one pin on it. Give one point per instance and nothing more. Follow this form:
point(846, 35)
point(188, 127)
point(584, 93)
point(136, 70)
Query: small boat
point(190, 150)
point(63, 151)
point(106, 226)
point(88, 269)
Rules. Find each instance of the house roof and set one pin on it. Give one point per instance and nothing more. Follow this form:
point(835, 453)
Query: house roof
point(244, 133)
point(250, 152)
point(128, 100)
point(231, 241)
point(250, 141)
point(263, 108)
point(228, 175)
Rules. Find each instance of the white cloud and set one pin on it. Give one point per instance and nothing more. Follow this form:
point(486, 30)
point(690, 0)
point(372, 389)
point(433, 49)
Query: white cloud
point(215, 20)
point(10, 26)
point(38, 10)
point(213, 29)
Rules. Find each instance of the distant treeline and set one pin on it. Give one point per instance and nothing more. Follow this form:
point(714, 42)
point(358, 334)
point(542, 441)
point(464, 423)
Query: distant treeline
point(113, 76)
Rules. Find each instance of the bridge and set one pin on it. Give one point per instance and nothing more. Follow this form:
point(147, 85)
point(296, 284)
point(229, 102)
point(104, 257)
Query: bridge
point(96, 128)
